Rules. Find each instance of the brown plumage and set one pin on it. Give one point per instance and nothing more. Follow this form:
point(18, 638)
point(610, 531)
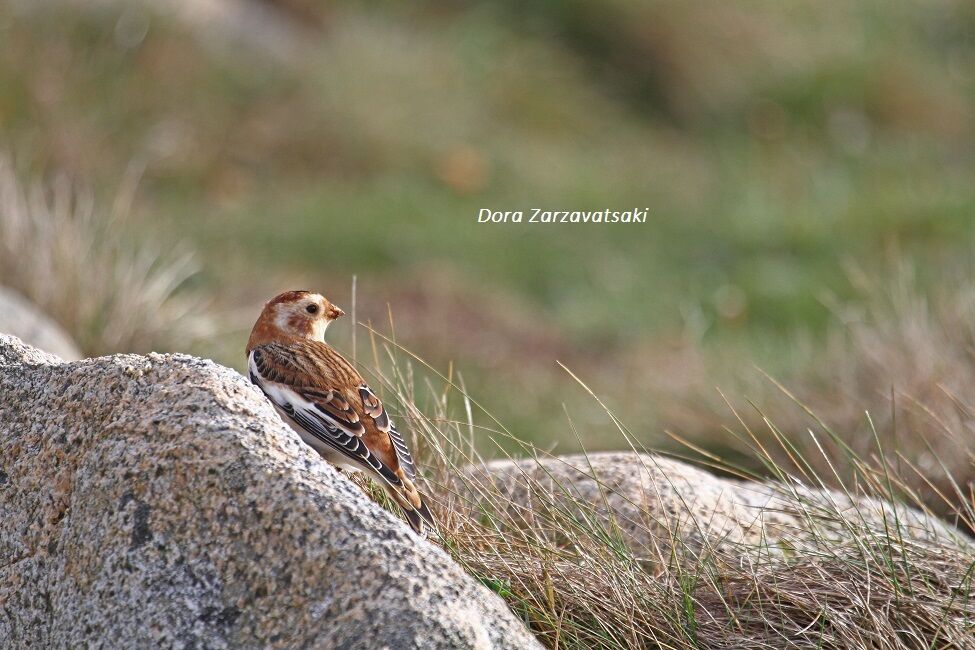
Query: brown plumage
point(324, 398)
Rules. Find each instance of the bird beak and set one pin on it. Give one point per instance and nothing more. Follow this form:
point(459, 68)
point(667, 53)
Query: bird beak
point(333, 312)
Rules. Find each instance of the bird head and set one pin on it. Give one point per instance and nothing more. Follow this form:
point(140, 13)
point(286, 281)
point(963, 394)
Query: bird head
point(295, 314)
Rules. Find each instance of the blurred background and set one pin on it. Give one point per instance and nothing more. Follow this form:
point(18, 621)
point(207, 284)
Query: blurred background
point(809, 169)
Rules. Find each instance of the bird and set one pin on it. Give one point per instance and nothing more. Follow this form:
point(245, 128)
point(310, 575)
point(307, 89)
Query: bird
point(325, 399)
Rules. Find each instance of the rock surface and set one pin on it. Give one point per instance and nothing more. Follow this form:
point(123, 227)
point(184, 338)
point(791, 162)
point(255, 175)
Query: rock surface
point(22, 319)
point(158, 501)
point(654, 500)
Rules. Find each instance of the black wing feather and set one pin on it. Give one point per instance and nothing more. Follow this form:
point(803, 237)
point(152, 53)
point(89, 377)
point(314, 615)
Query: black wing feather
point(374, 408)
point(402, 452)
point(348, 445)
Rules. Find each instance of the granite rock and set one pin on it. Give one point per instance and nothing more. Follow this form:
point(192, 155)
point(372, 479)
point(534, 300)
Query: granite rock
point(658, 503)
point(159, 501)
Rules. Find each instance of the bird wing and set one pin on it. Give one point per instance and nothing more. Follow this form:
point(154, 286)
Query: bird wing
point(374, 409)
point(318, 389)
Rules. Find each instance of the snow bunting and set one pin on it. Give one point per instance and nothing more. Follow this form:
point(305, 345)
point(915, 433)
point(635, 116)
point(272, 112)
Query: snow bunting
point(325, 399)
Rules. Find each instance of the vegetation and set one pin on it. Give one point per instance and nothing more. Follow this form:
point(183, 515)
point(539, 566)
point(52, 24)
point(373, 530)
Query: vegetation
point(582, 578)
point(808, 174)
point(774, 145)
point(75, 262)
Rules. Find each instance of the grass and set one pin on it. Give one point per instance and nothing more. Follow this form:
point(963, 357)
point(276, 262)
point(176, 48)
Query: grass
point(900, 354)
point(772, 144)
point(622, 571)
point(613, 568)
point(777, 146)
point(79, 264)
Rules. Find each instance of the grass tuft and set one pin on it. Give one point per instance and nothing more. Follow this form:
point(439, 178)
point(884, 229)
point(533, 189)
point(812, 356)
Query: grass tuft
point(886, 390)
point(80, 264)
point(863, 565)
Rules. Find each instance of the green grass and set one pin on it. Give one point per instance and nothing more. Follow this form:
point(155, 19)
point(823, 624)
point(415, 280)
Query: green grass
point(774, 147)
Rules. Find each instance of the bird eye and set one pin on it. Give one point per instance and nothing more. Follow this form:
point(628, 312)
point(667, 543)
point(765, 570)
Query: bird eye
point(312, 308)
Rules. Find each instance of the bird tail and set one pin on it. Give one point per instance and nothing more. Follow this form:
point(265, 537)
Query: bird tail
point(416, 515)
